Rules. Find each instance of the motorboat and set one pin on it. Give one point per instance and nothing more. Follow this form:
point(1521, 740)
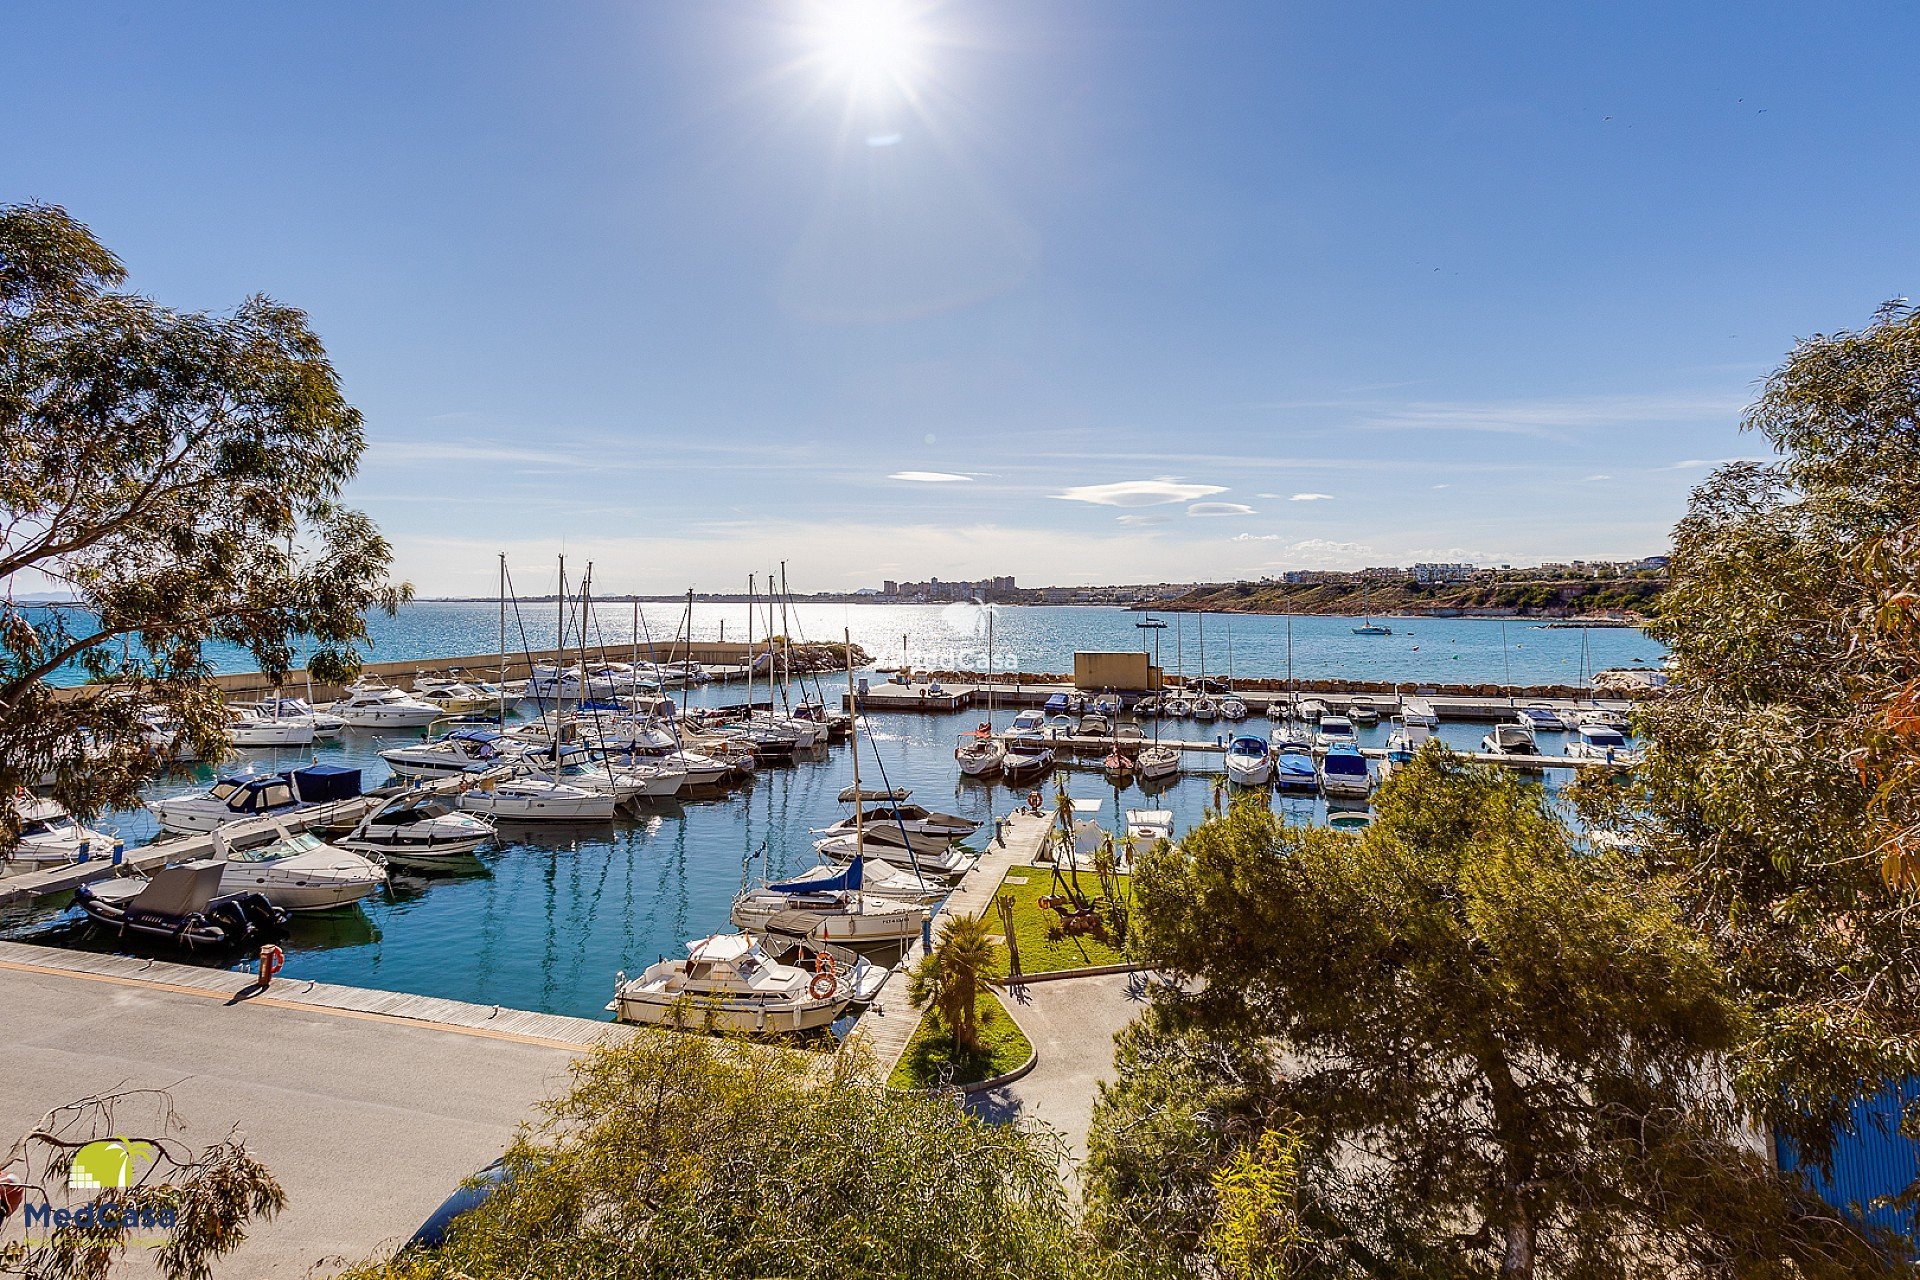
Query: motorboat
point(1335, 731)
point(418, 827)
point(1605, 717)
point(183, 904)
point(829, 909)
point(1024, 759)
point(1233, 707)
point(894, 812)
point(1372, 629)
point(50, 837)
point(1147, 706)
point(1030, 724)
point(1510, 740)
point(578, 767)
point(735, 982)
point(241, 797)
point(453, 696)
point(1158, 761)
point(537, 800)
point(1403, 743)
point(1177, 707)
point(1600, 742)
point(1363, 711)
point(250, 727)
point(1094, 724)
point(373, 704)
point(1540, 719)
point(1293, 767)
point(950, 860)
point(1344, 772)
point(1418, 711)
point(1205, 708)
point(1149, 826)
point(977, 754)
point(297, 872)
point(472, 749)
point(325, 723)
point(1249, 761)
point(1309, 710)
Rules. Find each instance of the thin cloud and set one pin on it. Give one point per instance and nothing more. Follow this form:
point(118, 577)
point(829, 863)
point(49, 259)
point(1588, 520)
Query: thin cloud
point(1220, 509)
point(1137, 520)
point(1139, 493)
point(1311, 497)
point(1443, 486)
point(930, 477)
point(1256, 537)
point(1698, 464)
point(1596, 479)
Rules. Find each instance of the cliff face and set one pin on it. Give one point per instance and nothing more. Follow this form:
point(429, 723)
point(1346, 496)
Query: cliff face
point(1579, 597)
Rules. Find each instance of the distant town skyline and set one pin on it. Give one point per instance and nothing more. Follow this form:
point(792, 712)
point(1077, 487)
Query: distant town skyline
point(1077, 292)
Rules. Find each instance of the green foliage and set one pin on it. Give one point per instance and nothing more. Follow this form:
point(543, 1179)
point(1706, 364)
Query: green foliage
point(163, 468)
point(1256, 1233)
point(953, 976)
point(1045, 945)
point(934, 1059)
point(1778, 788)
point(1499, 1053)
point(676, 1157)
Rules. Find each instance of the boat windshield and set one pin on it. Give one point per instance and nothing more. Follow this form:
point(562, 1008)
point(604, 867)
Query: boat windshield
point(223, 790)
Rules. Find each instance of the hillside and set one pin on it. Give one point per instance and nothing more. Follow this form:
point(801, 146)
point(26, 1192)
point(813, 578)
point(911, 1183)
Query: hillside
point(1576, 597)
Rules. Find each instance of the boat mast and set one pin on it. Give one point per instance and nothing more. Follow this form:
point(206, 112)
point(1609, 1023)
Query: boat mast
point(503, 640)
point(859, 801)
point(560, 650)
point(749, 648)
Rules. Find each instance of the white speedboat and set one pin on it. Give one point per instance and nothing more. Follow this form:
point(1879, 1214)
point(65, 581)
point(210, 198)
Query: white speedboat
point(418, 827)
point(1510, 740)
point(915, 819)
point(1418, 711)
point(473, 749)
point(1309, 710)
point(1402, 745)
point(299, 872)
point(1604, 717)
point(1293, 767)
point(1600, 742)
point(1233, 707)
point(372, 704)
point(325, 723)
point(250, 727)
point(1157, 761)
point(537, 800)
point(731, 982)
point(1145, 829)
point(1205, 708)
point(880, 879)
point(1334, 731)
point(834, 909)
point(948, 860)
point(242, 797)
point(1344, 773)
point(1363, 711)
point(1249, 761)
point(623, 782)
point(1540, 719)
point(453, 696)
point(1026, 758)
point(50, 837)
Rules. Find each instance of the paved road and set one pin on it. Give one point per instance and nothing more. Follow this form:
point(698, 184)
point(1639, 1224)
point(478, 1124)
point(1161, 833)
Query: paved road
point(367, 1123)
point(1072, 1024)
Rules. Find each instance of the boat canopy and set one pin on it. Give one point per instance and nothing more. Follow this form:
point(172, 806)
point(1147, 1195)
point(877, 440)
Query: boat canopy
point(850, 877)
point(1248, 746)
point(182, 889)
point(1057, 703)
point(1348, 762)
point(865, 796)
point(325, 782)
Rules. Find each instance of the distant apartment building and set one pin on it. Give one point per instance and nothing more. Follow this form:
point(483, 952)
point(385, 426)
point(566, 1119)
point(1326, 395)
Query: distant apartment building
point(1442, 572)
point(934, 589)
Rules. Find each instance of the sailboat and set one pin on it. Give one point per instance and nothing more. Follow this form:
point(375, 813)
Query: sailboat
point(1204, 707)
point(978, 754)
point(1369, 627)
point(1232, 706)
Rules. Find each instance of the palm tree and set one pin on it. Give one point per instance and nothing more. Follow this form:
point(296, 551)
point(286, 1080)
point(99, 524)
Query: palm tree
point(953, 975)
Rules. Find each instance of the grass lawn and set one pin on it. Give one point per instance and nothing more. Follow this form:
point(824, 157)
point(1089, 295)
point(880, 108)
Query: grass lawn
point(1044, 947)
point(931, 1058)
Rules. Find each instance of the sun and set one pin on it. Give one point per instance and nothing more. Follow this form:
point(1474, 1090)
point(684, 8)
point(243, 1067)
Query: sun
point(868, 43)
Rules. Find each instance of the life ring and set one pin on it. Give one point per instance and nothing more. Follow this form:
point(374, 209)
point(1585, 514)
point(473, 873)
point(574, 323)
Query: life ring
point(271, 960)
point(824, 984)
point(1034, 801)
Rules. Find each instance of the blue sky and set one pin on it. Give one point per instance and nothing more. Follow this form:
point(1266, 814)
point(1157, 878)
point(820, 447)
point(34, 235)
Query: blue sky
point(1182, 291)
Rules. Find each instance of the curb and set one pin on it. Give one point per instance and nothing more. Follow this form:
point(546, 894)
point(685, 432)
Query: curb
point(995, 1082)
point(1058, 975)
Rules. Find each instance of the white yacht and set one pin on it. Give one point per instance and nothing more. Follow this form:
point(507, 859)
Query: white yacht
point(1363, 711)
point(1158, 761)
point(1540, 718)
point(325, 723)
point(1418, 711)
point(251, 727)
point(50, 837)
point(1600, 742)
point(471, 749)
point(978, 755)
point(1308, 710)
point(1030, 724)
point(297, 872)
point(1510, 740)
point(373, 704)
point(1249, 761)
point(1344, 773)
point(537, 800)
point(623, 782)
point(1605, 717)
point(880, 879)
point(1334, 731)
point(894, 813)
point(453, 696)
point(829, 909)
point(946, 860)
point(241, 797)
point(1233, 707)
point(730, 982)
point(418, 827)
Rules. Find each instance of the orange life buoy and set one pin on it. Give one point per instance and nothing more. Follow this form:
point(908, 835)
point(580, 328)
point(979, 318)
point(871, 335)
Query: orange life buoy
point(271, 959)
point(823, 985)
point(1034, 802)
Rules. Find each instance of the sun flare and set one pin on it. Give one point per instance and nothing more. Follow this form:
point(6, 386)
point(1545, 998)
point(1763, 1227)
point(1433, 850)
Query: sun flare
point(868, 42)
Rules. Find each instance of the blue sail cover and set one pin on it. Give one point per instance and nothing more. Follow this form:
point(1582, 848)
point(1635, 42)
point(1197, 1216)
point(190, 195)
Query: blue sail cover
point(850, 878)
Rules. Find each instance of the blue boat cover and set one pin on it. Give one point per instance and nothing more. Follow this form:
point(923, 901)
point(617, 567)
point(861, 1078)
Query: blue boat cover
point(850, 878)
point(322, 782)
point(1058, 702)
point(1345, 760)
point(1296, 765)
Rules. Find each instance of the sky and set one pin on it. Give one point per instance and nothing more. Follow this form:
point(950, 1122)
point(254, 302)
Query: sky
point(1082, 292)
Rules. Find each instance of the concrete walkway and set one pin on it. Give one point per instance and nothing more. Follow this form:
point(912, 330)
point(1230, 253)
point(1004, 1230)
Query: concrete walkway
point(367, 1119)
point(1072, 1023)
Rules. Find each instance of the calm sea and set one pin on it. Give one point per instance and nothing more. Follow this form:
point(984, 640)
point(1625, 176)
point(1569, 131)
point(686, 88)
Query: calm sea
point(547, 916)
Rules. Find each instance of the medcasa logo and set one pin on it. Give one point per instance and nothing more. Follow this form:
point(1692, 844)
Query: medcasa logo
point(105, 1166)
point(110, 1162)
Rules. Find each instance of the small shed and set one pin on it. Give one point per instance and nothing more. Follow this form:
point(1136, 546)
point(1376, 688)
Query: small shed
point(1124, 672)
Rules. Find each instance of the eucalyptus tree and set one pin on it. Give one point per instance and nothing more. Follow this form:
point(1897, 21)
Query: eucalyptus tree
point(1487, 1051)
point(172, 478)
